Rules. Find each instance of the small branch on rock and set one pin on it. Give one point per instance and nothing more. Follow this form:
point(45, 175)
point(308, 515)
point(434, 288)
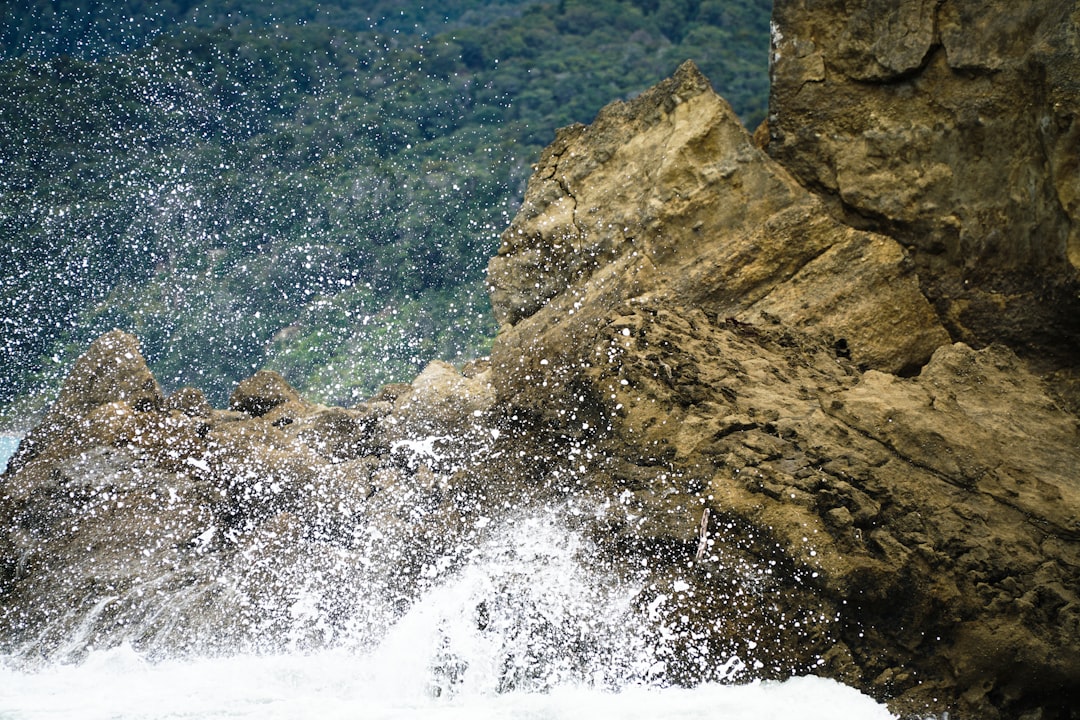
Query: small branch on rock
point(703, 535)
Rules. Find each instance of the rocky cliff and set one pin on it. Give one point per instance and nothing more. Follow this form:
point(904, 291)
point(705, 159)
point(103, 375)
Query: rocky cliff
point(749, 360)
point(734, 368)
point(951, 126)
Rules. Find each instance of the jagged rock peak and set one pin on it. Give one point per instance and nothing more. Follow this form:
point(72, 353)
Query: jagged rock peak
point(111, 370)
point(666, 198)
point(261, 393)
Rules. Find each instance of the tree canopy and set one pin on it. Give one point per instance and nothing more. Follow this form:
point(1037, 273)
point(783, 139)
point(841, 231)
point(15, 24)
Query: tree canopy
point(313, 187)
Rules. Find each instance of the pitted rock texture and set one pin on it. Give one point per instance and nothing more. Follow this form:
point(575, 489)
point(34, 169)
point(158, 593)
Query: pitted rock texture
point(126, 516)
point(666, 198)
point(738, 356)
point(930, 523)
point(951, 126)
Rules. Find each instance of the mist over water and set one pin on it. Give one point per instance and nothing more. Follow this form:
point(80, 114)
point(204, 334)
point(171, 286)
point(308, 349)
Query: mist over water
point(526, 627)
point(8, 445)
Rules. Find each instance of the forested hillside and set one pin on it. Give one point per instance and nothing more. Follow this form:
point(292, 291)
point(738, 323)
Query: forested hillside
point(93, 28)
point(305, 186)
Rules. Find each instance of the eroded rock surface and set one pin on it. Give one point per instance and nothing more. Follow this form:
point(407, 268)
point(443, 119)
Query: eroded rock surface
point(667, 198)
point(180, 528)
point(735, 350)
point(952, 126)
point(748, 405)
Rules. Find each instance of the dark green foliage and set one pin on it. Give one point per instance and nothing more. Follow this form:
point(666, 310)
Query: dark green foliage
point(299, 190)
point(93, 28)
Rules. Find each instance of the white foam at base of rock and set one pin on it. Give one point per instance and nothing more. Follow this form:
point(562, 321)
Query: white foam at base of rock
point(120, 684)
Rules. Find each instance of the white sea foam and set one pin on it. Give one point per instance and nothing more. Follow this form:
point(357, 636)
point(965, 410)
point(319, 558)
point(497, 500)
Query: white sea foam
point(120, 684)
point(526, 627)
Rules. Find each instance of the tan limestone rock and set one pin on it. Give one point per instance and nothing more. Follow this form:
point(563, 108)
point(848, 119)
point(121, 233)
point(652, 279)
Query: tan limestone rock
point(666, 198)
point(949, 126)
point(261, 393)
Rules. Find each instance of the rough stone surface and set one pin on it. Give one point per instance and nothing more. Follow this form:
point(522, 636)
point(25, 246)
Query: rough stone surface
point(748, 405)
point(738, 353)
point(951, 126)
point(666, 197)
point(111, 371)
point(180, 528)
point(261, 393)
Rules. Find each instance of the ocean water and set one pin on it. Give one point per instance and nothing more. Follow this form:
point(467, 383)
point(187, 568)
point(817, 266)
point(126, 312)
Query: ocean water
point(436, 662)
point(121, 684)
point(526, 628)
point(8, 445)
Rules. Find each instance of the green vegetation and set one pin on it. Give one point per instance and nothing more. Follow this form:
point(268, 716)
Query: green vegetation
point(294, 185)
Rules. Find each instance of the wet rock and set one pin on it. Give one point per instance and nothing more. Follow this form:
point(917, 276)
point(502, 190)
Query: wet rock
point(442, 399)
point(180, 528)
point(111, 370)
point(190, 401)
point(754, 380)
point(666, 198)
point(261, 393)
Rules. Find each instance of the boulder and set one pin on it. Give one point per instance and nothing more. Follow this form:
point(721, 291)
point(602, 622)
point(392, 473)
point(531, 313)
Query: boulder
point(261, 393)
point(190, 401)
point(443, 400)
point(112, 370)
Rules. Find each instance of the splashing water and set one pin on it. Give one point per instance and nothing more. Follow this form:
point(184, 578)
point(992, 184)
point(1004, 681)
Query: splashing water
point(121, 684)
point(527, 627)
point(8, 445)
point(525, 614)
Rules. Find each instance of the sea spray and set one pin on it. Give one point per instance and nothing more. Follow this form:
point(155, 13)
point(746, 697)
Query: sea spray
point(8, 445)
point(528, 612)
point(527, 625)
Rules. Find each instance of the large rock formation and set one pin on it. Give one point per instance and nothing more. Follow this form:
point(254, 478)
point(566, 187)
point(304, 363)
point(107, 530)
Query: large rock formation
point(733, 384)
point(670, 287)
point(952, 126)
point(157, 520)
